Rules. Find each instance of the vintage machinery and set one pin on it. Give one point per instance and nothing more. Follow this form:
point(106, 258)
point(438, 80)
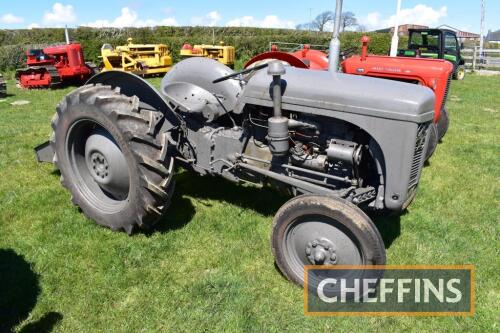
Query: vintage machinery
point(222, 53)
point(3, 86)
point(300, 56)
point(341, 144)
point(435, 74)
point(117, 139)
point(432, 73)
point(140, 59)
point(51, 66)
point(436, 44)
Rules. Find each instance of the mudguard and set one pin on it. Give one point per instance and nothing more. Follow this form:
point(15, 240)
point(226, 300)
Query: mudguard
point(201, 72)
point(133, 85)
point(130, 85)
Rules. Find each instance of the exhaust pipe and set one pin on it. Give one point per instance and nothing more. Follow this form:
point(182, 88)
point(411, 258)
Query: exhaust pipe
point(334, 55)
point(66, 34)
point(395, 36)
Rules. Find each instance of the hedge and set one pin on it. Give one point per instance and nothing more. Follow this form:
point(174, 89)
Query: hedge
point(248, 41)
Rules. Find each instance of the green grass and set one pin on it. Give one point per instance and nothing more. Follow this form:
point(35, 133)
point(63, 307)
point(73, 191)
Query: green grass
point(208, 265)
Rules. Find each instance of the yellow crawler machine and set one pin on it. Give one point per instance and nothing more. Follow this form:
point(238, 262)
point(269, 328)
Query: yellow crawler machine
point(140, 59)
point(222, 53)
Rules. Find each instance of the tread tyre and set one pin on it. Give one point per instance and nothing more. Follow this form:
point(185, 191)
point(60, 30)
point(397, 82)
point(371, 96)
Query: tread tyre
point(433, 141)
point(96, 119)
point(330, 224)
point(459, 73)
point(443, 124)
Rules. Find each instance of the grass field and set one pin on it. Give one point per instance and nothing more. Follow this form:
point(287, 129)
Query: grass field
point(208, 267)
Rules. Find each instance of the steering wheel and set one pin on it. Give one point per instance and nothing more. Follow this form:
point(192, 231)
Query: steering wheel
point(243, 72)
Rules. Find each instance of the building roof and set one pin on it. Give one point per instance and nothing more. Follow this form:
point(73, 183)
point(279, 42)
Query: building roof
point(460, 33)
point(403, 28)
point(493, 36)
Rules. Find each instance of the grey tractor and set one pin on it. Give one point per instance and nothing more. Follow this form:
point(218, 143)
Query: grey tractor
point(340, 145)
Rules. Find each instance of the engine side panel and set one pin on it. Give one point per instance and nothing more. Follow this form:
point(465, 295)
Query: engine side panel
point(393, 114)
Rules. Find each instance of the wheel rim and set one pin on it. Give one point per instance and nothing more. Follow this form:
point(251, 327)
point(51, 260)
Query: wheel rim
point(320, 240)
point(98, 165)
point(461, 73)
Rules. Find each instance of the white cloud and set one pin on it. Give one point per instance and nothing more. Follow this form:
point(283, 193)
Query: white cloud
point(372, 20)
point(60, 14)
point(209, 20)
point(420, 14)
point(11, 19)
point(130, 18)
point(33, 26)
point(270, 21)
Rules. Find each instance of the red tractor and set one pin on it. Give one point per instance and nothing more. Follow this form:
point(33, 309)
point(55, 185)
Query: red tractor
point(435, 74)
point(49, 67)
point(303, 58)
point(432, 73)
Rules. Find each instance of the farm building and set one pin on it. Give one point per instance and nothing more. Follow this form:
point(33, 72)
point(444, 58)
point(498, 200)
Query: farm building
point(493, 37)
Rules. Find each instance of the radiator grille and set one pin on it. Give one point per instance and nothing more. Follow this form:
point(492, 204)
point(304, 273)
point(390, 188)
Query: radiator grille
point(418, 155)
point(445, 97)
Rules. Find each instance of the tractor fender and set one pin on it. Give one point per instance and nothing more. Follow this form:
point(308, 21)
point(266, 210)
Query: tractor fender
point(130, 85)
point(133, 85)
point(291, 59)
point(201, 72)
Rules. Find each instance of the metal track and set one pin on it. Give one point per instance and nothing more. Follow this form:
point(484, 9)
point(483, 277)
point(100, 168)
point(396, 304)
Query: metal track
point(55, 80)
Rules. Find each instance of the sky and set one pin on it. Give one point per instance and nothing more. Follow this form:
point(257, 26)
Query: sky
point(462, 14)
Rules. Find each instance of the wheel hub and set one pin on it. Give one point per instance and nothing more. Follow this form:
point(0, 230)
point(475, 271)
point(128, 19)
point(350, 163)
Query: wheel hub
point(321, 251)
point(106, 164)
point(100, 167)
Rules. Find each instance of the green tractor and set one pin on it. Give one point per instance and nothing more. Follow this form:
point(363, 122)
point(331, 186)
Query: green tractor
point(436, 44)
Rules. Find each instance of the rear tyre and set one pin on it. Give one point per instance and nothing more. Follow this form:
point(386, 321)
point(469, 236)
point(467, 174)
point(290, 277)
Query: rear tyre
point(112, 158)
point(319, 230)
point(443, 124)
point(433, 141)
point(459, 73)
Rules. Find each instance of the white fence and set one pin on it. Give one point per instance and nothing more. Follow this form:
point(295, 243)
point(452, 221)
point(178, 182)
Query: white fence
point(489, 60)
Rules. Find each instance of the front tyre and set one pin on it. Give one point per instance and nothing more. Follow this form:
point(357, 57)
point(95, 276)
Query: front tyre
point(433, 141)
point(112, 157)
point(319, 230)
point(443, 124)
point(459, 73)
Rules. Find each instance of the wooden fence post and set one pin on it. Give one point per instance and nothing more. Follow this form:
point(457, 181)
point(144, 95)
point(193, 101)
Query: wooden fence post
point(474, 59)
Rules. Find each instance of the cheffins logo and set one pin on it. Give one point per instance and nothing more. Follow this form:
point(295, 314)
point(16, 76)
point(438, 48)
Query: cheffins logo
point(389, 290)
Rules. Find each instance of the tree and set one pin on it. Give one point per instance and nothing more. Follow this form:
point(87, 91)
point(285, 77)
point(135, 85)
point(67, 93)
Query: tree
point(321, 21)
point(304, 26)
point(325, 21)
point(348, 20)
point(361, 28)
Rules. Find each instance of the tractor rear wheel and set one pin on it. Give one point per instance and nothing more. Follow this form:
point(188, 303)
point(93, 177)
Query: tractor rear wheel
point(443, 124)
point(459, 73)
point(112, 158)
point(433, 141)
point(320, 230)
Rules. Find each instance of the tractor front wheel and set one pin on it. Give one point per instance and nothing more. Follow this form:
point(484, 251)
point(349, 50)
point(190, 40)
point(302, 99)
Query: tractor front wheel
point(112, 157)
point(319, 230)
point(459, 73)
point(443, 124)
point(433, 141)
